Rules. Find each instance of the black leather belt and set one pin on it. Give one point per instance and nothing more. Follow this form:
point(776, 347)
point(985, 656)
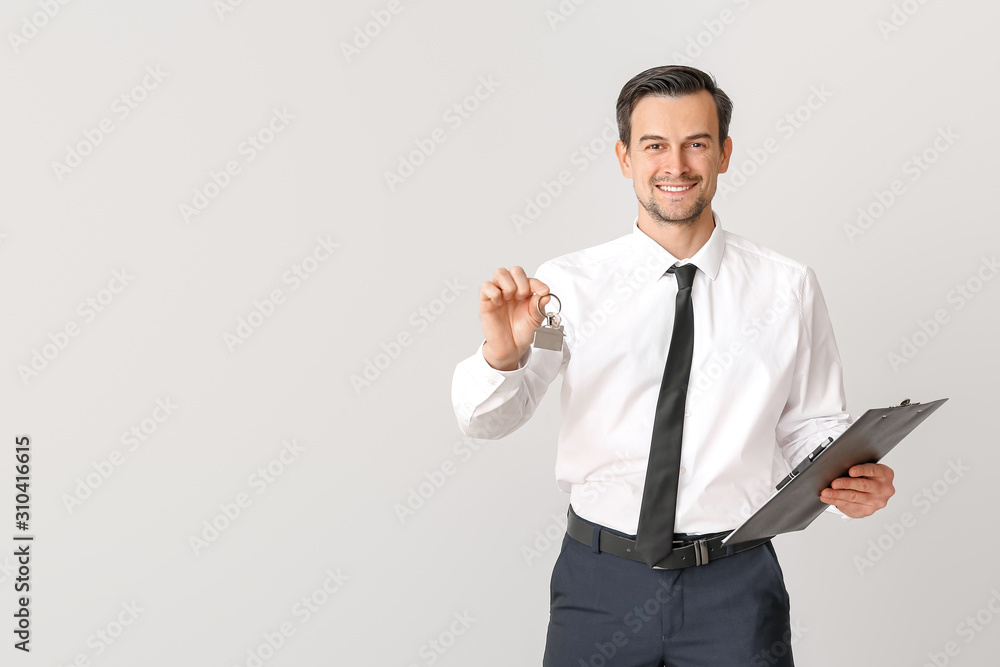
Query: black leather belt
point(684, 554)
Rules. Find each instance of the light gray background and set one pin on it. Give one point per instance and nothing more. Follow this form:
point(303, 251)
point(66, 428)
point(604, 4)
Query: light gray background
point(334, 508)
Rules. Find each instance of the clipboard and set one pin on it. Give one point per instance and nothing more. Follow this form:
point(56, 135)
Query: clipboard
point(795, 503)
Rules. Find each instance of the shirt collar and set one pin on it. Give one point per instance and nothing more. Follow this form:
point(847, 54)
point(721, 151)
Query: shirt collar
point(708, 258)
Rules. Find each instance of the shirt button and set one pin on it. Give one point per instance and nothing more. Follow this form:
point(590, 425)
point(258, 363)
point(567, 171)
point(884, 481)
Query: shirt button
point(682, 470)
point(492, 381)
point(687, 413)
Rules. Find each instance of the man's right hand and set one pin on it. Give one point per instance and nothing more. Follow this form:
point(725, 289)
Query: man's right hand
point(508, 308)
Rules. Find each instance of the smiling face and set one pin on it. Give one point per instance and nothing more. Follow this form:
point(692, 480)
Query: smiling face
point(675, 158)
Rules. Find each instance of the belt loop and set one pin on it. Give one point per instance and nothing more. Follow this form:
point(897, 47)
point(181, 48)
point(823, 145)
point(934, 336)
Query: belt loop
point(730, 550)
point(596, 541)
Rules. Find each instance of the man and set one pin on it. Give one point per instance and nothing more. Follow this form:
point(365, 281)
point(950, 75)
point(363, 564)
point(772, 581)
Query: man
point(679, 332)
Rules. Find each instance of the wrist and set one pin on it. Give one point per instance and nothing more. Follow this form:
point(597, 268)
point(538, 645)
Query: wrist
point(500, 363)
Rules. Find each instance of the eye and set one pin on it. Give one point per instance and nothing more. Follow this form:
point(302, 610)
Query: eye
point(698, 144)
point(653, 146)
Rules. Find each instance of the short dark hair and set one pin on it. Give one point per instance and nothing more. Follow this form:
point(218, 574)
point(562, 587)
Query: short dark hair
point(670, 81)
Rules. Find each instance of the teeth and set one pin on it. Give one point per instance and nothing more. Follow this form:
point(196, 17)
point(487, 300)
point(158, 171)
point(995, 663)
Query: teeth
point(675, 188)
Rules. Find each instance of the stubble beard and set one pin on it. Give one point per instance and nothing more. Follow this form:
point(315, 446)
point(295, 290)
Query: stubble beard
point(662, 217)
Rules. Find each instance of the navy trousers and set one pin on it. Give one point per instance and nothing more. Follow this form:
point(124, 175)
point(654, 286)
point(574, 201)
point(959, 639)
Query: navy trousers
point(607, 610)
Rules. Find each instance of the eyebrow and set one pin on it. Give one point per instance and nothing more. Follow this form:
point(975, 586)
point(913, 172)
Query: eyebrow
point(656, 137)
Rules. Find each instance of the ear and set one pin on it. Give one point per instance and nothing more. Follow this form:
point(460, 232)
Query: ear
point(727, 151)
point(624, 159)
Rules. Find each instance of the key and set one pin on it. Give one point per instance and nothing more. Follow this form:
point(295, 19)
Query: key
point(550, 335)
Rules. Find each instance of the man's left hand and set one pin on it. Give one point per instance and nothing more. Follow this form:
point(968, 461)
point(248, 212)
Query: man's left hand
point(866, 491)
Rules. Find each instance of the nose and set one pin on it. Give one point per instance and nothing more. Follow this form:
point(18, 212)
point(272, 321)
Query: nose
point(674, 165)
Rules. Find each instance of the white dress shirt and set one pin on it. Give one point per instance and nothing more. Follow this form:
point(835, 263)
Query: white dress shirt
point(766, 383)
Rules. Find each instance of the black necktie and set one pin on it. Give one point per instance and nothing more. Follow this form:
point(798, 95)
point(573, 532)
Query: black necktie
point(654, 539)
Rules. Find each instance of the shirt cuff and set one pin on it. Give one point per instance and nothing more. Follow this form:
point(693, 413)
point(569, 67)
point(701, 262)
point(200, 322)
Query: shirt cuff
point(480, 382)
point(490, 372)
point(833, 509)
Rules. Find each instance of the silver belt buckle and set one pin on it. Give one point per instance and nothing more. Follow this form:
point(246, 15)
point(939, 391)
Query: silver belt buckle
point(701, 552)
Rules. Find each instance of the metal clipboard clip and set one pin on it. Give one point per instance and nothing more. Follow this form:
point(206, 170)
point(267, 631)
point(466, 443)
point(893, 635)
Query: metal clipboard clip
point(803, 464)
